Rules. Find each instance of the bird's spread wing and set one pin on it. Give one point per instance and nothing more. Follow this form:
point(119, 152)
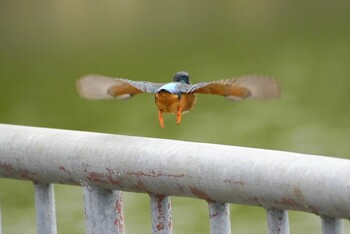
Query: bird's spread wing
point(253, 87)
point(102, 87)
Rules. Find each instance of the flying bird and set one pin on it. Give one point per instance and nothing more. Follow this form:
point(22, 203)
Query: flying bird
point(178, 96)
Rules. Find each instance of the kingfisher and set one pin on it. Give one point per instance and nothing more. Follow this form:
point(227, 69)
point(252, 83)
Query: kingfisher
point(179, 96)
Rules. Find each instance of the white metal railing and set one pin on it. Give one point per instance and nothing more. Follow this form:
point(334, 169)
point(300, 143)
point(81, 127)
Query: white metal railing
point(105, 164)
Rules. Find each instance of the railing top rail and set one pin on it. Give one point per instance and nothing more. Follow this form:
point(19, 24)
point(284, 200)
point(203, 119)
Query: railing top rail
point(272, 179)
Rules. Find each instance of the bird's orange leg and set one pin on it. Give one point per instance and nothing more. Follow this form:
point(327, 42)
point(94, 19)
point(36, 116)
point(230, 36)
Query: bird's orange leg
point(161, 119)
point(178, 115)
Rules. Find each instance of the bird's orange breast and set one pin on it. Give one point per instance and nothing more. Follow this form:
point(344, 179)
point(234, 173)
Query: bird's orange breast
point(172, 103)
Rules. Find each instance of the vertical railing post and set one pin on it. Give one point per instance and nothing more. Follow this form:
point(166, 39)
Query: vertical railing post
point(161, 214)
point(277, 221)
point(331, 225)
point(103, 210)
point(45, 208)
point(219, 214)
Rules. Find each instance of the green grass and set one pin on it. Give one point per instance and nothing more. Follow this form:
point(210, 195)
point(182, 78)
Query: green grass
point(45, 47)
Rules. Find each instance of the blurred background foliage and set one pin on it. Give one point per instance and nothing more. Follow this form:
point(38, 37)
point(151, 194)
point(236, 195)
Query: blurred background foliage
point(46, 45)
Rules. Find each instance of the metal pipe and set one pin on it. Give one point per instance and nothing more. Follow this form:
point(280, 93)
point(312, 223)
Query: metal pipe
point(161, 214)
point(103, 210)
point(226, 174)
point(45, 208)
point(277, 221)
point(219, 214)
point(331, 225)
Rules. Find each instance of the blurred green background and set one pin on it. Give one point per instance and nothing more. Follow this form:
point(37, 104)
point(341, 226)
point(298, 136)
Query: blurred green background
point(46, 45)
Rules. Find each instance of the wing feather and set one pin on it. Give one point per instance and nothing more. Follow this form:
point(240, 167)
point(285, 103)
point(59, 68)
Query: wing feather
point(253, 87)
point(102, 87)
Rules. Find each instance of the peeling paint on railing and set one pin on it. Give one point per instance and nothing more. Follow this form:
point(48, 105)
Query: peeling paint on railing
point(105, 164)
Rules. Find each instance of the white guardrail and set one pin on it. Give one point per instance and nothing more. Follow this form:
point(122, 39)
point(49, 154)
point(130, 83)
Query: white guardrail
point(106, 164)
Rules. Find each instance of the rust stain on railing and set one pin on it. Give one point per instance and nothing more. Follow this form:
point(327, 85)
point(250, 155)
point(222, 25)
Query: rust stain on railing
point(200, 194)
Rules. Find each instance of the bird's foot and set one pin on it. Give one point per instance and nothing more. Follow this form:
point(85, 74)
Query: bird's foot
point(178, 116)
point(161, 119)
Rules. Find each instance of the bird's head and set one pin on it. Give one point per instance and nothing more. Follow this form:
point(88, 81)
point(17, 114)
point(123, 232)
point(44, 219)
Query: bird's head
point(182, 77)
